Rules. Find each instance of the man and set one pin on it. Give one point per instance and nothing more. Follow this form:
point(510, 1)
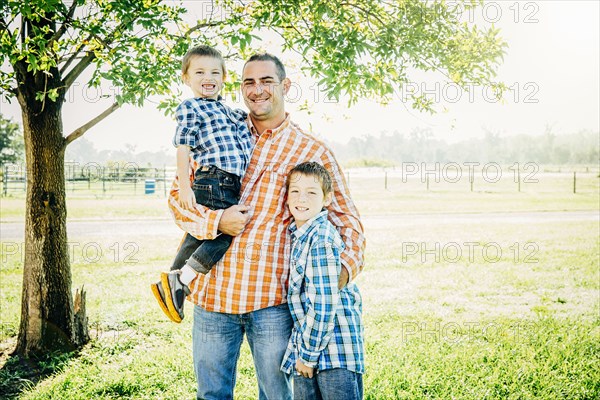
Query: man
point(246, 291)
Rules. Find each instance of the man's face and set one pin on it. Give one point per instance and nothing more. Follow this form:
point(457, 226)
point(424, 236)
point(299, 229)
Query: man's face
point(263, 91)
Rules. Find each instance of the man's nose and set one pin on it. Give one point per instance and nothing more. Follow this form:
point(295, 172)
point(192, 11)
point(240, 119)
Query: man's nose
point(259, 88)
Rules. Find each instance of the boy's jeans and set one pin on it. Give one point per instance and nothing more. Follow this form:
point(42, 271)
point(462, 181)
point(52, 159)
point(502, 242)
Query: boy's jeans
point(217, 338)
point(330, 384)
point(215, 189)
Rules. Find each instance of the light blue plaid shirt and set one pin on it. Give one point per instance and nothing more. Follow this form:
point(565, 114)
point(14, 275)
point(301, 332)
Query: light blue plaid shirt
point(216, 134)
point(327, 331)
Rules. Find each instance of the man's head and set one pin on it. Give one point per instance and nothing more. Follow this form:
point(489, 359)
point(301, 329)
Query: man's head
point(309, 189)
point(264, 84)
point(203, 70)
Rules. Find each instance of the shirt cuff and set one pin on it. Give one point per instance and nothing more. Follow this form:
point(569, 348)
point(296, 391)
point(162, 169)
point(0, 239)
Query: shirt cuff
point(213, 217)
point(309, 358)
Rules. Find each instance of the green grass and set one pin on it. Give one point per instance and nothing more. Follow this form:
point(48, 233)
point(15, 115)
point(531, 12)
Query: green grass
point(471, 328)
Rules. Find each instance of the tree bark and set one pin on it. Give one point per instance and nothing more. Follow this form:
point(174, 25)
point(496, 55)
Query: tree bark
point(47, 303)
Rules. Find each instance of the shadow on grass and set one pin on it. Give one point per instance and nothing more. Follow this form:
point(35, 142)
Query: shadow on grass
point(18, 374)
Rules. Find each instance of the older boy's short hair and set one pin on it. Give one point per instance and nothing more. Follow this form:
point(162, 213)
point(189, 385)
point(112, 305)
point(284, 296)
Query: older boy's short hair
point(269, 57)
point(311, 168)
point(201, 51)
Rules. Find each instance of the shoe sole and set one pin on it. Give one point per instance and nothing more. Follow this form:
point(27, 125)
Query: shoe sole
point(161, 303)
point(164, 278)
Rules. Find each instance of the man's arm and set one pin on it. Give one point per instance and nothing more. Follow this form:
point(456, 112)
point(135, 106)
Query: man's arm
point(345, 217)
point(202, 222)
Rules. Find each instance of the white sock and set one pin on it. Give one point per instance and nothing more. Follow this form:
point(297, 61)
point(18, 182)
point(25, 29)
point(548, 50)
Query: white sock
point(188, 274)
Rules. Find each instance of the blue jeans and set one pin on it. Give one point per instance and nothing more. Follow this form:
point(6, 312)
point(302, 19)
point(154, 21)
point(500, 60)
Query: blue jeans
point(217, 339)
point(215, 189)
point(330, 384)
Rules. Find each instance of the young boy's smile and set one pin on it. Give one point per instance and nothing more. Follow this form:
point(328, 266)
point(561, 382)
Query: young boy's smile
point(205, 77)
point(305, 197)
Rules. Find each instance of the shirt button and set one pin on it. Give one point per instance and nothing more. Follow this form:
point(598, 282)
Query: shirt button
point(209, 236)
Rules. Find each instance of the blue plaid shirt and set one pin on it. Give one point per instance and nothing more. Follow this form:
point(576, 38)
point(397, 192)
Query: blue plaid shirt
point(327, 331)
point(216, 134)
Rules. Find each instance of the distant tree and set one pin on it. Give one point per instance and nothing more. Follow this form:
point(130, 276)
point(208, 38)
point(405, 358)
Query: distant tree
point(11, 141)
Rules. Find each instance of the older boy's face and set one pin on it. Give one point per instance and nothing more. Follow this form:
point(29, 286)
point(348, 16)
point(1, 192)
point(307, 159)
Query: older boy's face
point(305, 197)
point(205, 77)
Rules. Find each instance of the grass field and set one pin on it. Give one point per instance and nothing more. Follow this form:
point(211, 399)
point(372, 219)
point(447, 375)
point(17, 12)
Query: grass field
point(459, 308)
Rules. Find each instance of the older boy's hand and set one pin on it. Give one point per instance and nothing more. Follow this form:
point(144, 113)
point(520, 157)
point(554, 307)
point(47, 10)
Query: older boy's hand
point(343, 279)
point(234, 220)
point(303, 370)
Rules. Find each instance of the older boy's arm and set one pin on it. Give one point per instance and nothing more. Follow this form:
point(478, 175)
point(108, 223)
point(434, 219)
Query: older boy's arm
point(322, 298)
point(345, 217)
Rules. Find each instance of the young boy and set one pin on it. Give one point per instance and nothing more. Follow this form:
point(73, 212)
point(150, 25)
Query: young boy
point(326, 346)
point(214, 140)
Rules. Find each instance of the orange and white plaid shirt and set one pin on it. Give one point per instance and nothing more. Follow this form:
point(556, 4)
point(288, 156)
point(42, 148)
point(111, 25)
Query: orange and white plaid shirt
point(254, 272)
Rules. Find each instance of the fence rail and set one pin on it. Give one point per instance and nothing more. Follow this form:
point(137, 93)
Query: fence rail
point(96, 179)
point(93, 179)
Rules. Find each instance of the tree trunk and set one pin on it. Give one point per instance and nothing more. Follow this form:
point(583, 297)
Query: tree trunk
point(47, 303)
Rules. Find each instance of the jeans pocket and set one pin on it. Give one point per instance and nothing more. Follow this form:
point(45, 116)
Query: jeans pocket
point(203, 193)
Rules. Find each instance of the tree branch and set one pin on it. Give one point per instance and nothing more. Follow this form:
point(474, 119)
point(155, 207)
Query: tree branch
point(200, 26)
point(78, 69)
point(90, 56)
point(3, 25)
point(85, 127)
point(65, 25)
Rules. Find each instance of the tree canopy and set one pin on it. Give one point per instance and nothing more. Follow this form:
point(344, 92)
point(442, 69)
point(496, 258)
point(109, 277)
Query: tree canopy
point(358, 48)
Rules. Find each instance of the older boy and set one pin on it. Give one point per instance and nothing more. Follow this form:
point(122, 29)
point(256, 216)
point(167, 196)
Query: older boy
point(326, 345)
point(219, 143)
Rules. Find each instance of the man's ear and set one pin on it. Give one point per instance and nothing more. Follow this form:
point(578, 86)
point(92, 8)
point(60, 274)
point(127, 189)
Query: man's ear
point(286, 85)
point(328, 199)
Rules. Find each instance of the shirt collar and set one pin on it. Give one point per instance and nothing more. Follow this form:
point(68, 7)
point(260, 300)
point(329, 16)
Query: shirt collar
point(270, 133)
point(308, 225)
point(219, 98)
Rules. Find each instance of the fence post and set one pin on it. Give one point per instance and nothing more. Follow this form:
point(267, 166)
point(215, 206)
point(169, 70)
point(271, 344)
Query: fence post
point(472, 179)
point(385, 182)
point(103, 182)
point(427, 180)
point(5, 180)
point(574, 181)
point(519, 179)
point(165, 180)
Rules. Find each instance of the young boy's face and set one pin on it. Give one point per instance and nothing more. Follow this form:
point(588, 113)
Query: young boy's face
point(204, 76)
point(305, 197)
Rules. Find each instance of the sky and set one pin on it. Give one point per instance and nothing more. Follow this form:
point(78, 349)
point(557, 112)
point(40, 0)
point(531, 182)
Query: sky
point(551, 67)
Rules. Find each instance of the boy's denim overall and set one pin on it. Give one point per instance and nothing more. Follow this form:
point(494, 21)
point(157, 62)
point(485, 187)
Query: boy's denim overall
point(215, 189)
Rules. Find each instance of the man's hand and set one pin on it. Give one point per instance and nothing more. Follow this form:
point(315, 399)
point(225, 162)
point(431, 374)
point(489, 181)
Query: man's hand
point(187, 200)
point(303, 370)
point(343, 279)
point(234, 220)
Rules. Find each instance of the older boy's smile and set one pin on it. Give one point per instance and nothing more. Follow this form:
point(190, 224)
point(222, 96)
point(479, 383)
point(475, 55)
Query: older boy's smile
point(305, 197)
